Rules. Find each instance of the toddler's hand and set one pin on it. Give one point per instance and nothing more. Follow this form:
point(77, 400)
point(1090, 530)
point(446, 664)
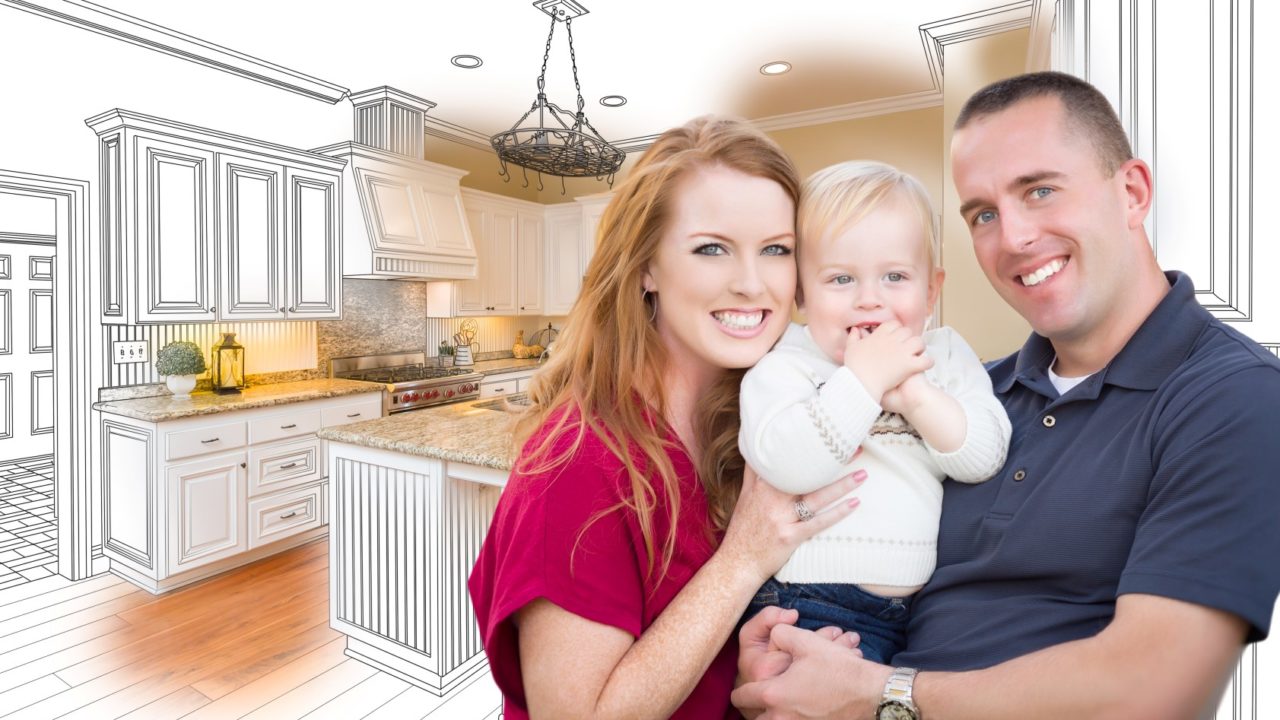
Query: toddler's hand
point(885, 358)
point(909, 396)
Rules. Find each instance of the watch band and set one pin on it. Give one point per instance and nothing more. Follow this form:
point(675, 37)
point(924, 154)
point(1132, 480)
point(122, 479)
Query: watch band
point(898, 690)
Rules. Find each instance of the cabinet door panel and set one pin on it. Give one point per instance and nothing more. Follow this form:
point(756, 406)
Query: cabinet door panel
point(564, 262)
point(529, 283)
point(314, 257)
point(470, 298)
point(175, 243)
point(206, 501)
point(250, 196)
point(500, 273)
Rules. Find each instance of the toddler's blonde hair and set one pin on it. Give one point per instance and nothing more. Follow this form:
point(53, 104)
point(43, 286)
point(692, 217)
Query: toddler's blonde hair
point(836, 197)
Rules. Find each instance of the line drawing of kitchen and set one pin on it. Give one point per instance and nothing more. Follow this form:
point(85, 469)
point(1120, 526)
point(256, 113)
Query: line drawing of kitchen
point(310, 197)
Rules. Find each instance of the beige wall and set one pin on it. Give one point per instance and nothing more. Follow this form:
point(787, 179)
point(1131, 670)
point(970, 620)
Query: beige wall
point(910, 141)
point(968, 303)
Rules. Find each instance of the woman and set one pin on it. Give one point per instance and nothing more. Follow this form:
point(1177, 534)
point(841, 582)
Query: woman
point(630, 538)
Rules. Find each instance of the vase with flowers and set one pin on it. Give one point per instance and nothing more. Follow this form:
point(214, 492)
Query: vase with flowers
point(180, 362)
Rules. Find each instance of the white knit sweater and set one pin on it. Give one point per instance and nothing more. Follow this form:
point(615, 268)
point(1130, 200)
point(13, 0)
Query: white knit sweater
point(802, 418)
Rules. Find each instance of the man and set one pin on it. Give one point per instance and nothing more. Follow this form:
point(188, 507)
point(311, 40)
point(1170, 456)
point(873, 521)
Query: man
point(1124, 555)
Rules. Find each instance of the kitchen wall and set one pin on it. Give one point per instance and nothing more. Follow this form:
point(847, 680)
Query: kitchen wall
point(969, 304)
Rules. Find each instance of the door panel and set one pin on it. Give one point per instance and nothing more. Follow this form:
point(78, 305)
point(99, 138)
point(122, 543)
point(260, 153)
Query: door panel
point(26, 339)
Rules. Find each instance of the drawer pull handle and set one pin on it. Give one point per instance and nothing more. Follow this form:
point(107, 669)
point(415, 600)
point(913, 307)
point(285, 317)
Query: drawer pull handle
point(355, 414)
point(289, 514)
point(290, 426)
point(206, 442)
point(290, 465)
point(499, 390)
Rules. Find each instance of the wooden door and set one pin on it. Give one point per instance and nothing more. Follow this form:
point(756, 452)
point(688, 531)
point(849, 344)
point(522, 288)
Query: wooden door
point(29, 229)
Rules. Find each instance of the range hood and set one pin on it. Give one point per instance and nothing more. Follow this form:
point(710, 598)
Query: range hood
point(402, 216)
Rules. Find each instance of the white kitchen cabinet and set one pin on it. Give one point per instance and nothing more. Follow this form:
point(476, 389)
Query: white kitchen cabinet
point(200, 226)
point(564, 264)
point(592, 210)
point(508, 383)
point(173, 227)
point(510, 261)
point(185, 499)
point(205, 498)
point(530, 254)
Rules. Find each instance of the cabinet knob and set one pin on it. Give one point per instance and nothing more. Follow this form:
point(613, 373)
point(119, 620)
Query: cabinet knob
point(244, 465)
point(213, 309)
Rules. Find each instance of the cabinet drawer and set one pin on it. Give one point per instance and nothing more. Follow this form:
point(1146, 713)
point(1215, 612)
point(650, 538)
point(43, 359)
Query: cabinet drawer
point(278, 516)
point(283, 465)
point(497, 389)
point(295, 422)
point(213, 438)
point(366, 408)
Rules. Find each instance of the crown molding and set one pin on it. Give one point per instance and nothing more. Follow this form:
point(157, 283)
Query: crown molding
point(935, 36)
point(119, 26)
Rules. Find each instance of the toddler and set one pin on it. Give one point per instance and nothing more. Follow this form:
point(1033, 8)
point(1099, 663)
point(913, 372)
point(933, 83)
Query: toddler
point(865, 372)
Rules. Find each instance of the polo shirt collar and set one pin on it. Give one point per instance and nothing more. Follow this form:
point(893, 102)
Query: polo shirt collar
point(1161, 343)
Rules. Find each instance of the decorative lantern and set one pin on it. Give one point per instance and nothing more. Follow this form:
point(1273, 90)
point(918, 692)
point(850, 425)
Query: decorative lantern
point(228, 365)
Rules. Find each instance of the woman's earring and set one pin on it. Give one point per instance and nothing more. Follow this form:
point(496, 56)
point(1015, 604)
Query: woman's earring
point(644, 297)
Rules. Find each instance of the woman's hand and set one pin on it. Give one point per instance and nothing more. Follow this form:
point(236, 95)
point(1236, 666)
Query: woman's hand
point(766, 528)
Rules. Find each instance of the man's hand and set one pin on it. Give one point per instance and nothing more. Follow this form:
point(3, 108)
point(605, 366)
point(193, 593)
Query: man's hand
point(805, 688)
point(884, 359)
point(759, 658)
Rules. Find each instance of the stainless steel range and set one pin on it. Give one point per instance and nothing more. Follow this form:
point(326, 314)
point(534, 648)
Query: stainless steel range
point(411, 383)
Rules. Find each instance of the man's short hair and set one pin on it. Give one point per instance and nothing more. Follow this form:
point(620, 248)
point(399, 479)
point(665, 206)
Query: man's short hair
point(1087, 110)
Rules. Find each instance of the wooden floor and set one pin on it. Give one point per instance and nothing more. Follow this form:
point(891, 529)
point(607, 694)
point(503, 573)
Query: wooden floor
point(251, 643)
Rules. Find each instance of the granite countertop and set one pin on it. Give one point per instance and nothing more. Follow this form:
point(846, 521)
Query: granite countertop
point(505, 365)
point(460, 432)
point(168, 407)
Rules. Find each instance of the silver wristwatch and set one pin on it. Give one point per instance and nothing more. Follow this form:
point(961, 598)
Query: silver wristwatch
point(896, 703)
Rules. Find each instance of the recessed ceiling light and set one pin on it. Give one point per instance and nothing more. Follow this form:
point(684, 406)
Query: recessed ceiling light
point(467, 62)
point(775, 68)
point(613, 101)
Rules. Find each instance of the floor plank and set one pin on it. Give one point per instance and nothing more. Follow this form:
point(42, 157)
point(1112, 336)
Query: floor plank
point(251, 643)
point(54, 595)
point(31, 693)
point(252, 699)
point(177, 704)
point(362, 699)
point(315, 692)
point(34, 588)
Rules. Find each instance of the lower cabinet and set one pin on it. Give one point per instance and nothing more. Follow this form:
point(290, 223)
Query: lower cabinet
point(189, 498)
point(506, 383)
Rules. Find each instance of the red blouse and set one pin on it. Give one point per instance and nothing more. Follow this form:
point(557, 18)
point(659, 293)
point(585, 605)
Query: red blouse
point(536, 548)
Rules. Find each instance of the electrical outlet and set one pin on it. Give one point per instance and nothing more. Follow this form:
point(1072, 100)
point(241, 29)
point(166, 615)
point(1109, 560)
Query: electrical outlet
point(133, 351)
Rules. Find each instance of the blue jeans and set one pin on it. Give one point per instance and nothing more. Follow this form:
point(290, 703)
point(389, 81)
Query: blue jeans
point(881, 621)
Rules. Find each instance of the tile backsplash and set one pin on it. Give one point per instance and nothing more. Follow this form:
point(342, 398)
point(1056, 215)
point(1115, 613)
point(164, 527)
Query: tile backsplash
point(378, 316)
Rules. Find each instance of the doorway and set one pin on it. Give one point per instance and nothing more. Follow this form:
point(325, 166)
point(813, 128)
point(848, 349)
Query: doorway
point(45, 379)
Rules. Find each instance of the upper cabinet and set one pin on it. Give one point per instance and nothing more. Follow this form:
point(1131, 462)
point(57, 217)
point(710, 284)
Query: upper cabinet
point(509, 254)
point(570, 240)
point(200, 226)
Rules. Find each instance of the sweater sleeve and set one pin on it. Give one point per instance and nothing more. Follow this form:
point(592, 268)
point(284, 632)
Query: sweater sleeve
point(798, 431)
point(986, 441)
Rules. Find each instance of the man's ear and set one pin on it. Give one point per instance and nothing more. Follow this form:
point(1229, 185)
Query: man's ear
point(1136, 175)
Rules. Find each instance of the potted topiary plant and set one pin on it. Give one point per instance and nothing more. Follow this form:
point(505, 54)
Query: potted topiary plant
point(444, 358)
point(180, 362)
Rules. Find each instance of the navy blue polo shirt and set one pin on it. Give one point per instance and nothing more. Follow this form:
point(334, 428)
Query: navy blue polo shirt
point(1156, 475)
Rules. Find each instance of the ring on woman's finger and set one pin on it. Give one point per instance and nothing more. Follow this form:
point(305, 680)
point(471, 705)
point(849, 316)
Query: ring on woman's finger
point(802, 510)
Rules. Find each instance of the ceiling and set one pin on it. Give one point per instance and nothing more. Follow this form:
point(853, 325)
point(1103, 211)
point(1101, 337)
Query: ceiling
point(671, 59)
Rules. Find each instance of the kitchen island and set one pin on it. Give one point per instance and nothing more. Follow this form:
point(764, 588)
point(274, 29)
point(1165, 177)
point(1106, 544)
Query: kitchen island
point(411, 496)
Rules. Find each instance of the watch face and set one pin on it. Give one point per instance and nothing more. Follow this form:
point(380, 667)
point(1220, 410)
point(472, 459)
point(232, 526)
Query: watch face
point(895, 710)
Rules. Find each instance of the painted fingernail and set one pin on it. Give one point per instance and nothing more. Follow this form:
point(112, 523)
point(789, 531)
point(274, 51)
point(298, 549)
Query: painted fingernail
point(854, 502)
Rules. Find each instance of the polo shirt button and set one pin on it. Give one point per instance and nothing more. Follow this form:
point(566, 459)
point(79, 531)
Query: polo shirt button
point(1049, 421)
point(1019, 475)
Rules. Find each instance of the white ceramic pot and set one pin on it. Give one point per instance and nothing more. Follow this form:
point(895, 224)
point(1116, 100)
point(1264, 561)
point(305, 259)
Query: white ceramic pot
point(180, 385)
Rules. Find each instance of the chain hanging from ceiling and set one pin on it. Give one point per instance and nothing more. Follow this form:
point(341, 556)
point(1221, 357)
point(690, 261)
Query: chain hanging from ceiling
point(562, 143)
